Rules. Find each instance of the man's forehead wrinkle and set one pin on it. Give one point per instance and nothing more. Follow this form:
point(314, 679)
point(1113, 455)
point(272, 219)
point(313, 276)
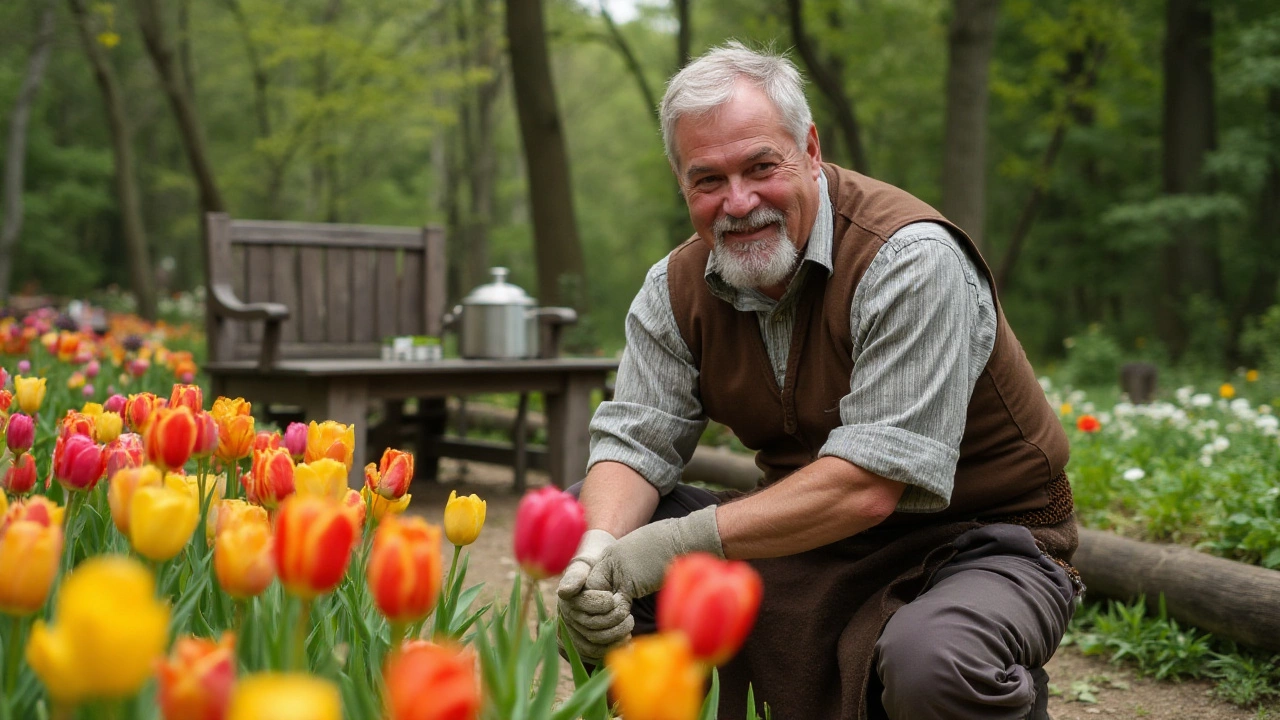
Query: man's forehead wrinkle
point(766, 143)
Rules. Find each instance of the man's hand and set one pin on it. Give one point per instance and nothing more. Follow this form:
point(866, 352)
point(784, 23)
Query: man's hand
point(635, 565)
point(597, 619)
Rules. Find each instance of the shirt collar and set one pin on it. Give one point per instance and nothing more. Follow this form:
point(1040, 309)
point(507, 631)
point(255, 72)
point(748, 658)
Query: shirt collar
point(817, 252)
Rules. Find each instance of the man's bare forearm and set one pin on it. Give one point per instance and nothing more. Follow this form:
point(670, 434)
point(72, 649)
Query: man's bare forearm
point(827, 500)
point(617, 499)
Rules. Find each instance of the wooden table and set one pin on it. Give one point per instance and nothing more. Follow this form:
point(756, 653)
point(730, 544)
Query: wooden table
point(341, 390)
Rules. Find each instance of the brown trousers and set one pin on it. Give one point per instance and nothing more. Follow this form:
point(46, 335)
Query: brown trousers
point(972, 644)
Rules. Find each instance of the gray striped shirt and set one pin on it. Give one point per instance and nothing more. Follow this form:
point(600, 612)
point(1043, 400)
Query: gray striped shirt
point(923, 325)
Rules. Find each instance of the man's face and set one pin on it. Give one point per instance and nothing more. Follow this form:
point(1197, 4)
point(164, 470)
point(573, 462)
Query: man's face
point(752, 193)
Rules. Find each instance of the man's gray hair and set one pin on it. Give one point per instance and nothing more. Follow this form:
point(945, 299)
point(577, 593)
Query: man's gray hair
point(710, 81)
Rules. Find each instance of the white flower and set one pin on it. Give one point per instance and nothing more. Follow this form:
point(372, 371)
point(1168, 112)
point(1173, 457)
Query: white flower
point(1201, 400)
point(1183, 394)
point(1239, 405)
point(1267, 423)
point(1087, 408)
point(1123, 409)
point(1045, 383)
point(1134, 474)
point(1220, 443)
point(1264, 409)
point(1206, 460)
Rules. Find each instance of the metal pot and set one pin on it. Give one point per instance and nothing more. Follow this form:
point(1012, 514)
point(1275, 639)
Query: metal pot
point(497, 320)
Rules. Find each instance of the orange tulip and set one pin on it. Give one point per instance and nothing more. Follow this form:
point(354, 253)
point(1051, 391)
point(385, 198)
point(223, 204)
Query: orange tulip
point(226, 513)
point(243, 558)
point(30, 552)
point(138, 410)
point(712, 601)
point(383, 507)
point(404, 568)
point(332, 440)
point(235, 437)
point(655, 677)
point(430, 682)
point(225, 407)
point(314, 538)
point(391, 477)
point(206, 435)
point(76, 423)
point(266, 440)
point(37, 509)
point(188, 396)
point(120, 491)
point(170, 438)
point(195, 682)
point(355, 505)
point(271, 479)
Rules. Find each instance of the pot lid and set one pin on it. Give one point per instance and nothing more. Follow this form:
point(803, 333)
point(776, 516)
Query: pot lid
point(498, 292)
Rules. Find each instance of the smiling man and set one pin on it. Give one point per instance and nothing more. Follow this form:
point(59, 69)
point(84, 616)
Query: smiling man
point(915, 523)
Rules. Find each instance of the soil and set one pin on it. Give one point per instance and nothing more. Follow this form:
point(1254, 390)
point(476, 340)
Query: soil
point(1082, 687)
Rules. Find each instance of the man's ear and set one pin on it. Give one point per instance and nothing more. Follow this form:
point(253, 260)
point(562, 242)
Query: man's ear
point(814, 150)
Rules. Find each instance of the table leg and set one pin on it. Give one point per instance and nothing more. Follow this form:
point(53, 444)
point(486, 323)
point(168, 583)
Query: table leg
point(346, 400)
point(568, 431)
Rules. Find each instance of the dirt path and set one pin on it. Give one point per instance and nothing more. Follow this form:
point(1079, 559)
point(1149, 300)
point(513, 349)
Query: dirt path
point(1074, 678)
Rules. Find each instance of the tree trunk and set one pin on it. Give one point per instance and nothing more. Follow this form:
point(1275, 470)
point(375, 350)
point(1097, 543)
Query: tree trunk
point(126, 183)
point(561, 274)
point(151, 23)
point(632, 62)
point(16, 151)
point(482, 168)
point(684, 34)
point(829, 79)
point(1190, 132)
point(260, 108)
point(971, 41)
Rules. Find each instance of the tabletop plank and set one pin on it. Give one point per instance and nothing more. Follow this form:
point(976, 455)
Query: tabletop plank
point(376, 367)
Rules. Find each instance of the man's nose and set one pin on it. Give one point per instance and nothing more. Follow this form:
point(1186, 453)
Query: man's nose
point(741, 199)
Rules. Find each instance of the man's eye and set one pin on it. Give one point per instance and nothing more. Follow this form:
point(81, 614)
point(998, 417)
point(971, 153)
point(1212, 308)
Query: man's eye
point(707, 181)
point(763, 167)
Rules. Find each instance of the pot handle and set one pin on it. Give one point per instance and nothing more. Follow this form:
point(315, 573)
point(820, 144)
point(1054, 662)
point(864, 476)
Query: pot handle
point(452, 318)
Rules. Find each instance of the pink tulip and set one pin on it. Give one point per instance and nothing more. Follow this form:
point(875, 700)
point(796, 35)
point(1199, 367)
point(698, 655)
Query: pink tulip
point(24, 367)
point(295, 439)
point(4, 377)
point(206, 435)
point(92, 368)
point(21, 433)
point(115, 404)
point(78, 462)
point(549, 525)
point(87, 391)
point(126, 451)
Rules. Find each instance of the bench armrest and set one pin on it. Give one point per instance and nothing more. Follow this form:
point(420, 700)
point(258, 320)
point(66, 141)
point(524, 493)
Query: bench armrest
point(551, 324)
point(226, 306)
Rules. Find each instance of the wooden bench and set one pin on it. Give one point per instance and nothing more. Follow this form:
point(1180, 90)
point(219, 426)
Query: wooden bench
point(295, 316)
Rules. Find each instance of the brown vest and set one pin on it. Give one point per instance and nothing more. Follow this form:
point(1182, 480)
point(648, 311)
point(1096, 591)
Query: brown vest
point(1013, 450)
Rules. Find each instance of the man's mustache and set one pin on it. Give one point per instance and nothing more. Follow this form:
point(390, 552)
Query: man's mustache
point(753, 220)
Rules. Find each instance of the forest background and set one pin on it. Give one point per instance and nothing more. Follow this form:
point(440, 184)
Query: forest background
point(1118, 162)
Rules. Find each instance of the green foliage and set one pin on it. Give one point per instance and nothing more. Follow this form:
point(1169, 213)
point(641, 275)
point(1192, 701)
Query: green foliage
point(1093, 358)
point(1261, 339)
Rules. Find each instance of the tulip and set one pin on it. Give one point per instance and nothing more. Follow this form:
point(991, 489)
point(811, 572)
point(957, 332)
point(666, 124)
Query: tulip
point(138, 411)
point(75, 381)
point(116, 404)
point(295, 439)
point(323, 477)
point(243, 558)
point(6, 400)
point(76, 423)
point(272, 478)
point(107, 427)
point(121, 488)
point(225, 407)
point(37, 509)
point(404, 569)
point(161, 520)
point(21, 433)
point(655, 677)
point(170, 437)
point(24, 366)
point(125, 451)
point(224, 514)
point(391, 477)
point(355, 506)
point(4, 376)
point(30, 553)
point(332, 440)
point(187, 396)
point(138, 367)
point(314, 538)
point(93, 368)
point(214, 490)
point(430, 682)
point(549, 525)
point(206, 435)
point(1088, 424)
point(88, 391)
point(463, 518)
point(382, 507)
point(30, 392)
point(21, 476)
point(285, 696)
point(713, 602)
point(195, 682)
point(266, 440)
point(235, 437)
point(108, 630)
point(78, 462)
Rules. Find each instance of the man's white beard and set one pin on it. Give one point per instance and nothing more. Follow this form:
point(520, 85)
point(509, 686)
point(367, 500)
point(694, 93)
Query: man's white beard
point(758, 264)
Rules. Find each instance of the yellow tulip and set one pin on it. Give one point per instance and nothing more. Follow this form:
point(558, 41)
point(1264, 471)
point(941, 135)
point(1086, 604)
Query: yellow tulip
point(161, 520)
point(4, 507)
point(215, 486)
point(29, 555)
point(323, 478)
point(381, 506)
point(121, 488)
point(30, 392)
point(243, 558)
point(330, 439)
point(107, 426)
point(108, 630)
point(656, 678)
point(224, 514)
point(285, 696)
point(463, 518)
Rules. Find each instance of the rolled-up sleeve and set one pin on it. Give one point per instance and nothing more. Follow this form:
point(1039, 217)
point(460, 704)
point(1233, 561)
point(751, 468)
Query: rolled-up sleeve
point(923, 327)
point(653, 423)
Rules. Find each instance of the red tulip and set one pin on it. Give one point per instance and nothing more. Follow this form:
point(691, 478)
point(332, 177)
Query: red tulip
point(20, 433)
point(21, 476)
point(391, 477)
point(138, 410)
point(314, 538)
point(549, 524)
point(206, 435)
point(170, 437)
point(266, 440)
point(125, 451)
point(355, 505)
point(195, 682)
point(271, 479)
point(430, 682)
point(78, 462)
point(713, 602)
point(188, 396)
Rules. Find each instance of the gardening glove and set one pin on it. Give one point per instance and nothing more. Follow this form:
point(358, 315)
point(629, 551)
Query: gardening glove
point(635, 565)
point(597, 619)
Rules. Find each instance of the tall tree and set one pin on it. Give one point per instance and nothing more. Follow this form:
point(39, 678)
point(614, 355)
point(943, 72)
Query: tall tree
point(1189, 134)
point(478, 131)
point(127, 194)
point(828, 74)
point(16, 150)
point(155, 37)
point(561, 270)
point(971, 41)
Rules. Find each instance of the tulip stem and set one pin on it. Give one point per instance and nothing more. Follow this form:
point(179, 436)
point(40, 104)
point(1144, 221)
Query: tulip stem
point(201, 529)
point(397, 634)
point(300, 637)
point(13, 653)
point(74, 501)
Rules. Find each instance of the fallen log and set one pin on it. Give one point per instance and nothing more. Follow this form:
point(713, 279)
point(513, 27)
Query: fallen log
point(1229, 599)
